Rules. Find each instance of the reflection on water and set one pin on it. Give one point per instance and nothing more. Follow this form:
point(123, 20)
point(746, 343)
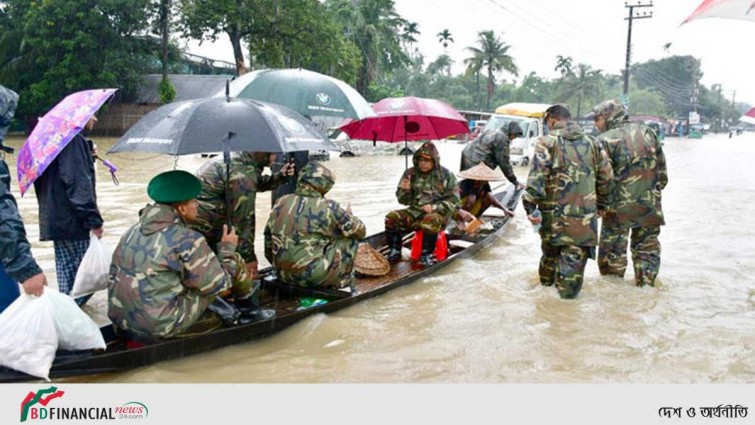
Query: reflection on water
point(487, 319)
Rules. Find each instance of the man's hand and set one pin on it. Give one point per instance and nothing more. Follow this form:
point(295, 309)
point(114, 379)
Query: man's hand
point(98, 232)
point(405, 184)
point(508, 212)
point(427, 208)
point(35, 285)
point(288, 169)
point(466, 216)
point(251, 270)
point(229, 235)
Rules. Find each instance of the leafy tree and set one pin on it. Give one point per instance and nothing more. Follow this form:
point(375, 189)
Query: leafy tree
point(583, 85)
point(675, 77)
point(441, 65)
point(375, 28)
point(71, 45)
point(492, 54)
point(444, 37)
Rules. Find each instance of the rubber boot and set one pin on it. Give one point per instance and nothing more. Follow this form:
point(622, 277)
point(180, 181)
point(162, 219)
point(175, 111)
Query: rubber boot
point(428, 249)
point(394, 245)
point(250, 310)
point(225, 310)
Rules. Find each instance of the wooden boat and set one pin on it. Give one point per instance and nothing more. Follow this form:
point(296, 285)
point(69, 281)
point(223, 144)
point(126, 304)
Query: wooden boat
point(285, 299)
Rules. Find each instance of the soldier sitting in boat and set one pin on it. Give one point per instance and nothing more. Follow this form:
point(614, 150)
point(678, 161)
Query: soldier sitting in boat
point(164, 275)
point(475, 192)
point(309, 239)
point(430, 193)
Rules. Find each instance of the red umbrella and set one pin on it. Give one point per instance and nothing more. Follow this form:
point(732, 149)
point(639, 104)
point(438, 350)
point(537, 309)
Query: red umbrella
point(408, 118)
point(728, 9)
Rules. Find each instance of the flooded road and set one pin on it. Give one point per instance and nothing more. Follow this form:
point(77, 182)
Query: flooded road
point(487, 319)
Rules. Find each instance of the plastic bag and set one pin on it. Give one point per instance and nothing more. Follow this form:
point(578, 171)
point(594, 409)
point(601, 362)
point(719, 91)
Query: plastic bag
point(76, 330)
point(29, 339)
point(94, 268)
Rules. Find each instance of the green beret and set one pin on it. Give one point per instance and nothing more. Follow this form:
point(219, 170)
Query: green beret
point(173, 186)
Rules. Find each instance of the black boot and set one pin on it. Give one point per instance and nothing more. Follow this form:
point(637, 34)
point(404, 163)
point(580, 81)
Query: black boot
point(251, 311)
point(225, 310)
point(394, 245)
point(428, 249)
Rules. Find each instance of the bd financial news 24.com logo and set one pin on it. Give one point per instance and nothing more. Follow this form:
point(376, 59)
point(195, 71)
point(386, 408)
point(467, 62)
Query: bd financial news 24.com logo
point(35, 406)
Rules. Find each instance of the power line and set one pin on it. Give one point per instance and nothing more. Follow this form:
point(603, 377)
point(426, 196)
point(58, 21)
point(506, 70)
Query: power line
point(631, 17)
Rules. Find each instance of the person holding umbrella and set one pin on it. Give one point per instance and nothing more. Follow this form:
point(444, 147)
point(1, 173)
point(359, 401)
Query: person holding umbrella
point(232, 198)
point(16, 262)
point(164, 275)
point(431, 195)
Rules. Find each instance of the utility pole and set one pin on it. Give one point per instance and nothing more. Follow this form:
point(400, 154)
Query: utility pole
point(720, 112)
point(631, 17)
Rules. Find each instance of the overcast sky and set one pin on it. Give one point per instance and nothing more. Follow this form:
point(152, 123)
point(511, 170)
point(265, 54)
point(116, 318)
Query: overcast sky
point(590, 31)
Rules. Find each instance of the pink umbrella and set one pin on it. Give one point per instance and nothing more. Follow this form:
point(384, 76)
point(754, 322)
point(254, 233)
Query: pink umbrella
point(408, 118)
point(53, 132)
point(729, 9)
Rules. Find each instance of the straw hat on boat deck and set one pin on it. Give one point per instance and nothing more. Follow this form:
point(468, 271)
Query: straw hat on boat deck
point(370, 262)
point(482, 172)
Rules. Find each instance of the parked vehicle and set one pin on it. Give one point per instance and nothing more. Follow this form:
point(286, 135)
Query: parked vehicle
point(530, 118)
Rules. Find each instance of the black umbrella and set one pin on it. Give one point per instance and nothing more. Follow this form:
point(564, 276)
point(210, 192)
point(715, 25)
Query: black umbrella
point(222, 124)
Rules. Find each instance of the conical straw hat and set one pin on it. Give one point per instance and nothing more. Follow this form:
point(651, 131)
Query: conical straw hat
point(370, 262)
point(482, 172)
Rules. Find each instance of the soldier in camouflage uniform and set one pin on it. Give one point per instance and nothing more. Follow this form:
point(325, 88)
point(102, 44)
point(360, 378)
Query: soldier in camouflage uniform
point(639, 168)
point(16, 261)
point(245, 181)
point(309, 239)
point(569, 183)
point(491, 147)
point(164, 275)
point(431, 195)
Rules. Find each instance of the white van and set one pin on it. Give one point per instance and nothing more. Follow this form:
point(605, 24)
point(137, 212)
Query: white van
point(530, 119)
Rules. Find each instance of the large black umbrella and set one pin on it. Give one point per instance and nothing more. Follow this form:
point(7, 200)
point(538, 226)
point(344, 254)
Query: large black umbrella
point(222, 124)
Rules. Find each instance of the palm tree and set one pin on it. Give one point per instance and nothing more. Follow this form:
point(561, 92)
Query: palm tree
point(563, 65)
point(444, 37)
point(492, 55)
point(586, 83)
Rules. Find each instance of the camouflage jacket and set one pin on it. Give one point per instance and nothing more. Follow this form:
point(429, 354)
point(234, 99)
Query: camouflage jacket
point(164, 275)
point(569, 182)
point(437, 188)
point(246, 180)
point(639, 169)
point(303, 224)
point(15, 250)
point(491, 147)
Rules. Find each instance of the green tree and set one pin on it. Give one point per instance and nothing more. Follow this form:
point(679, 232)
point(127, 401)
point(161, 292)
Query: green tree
point(441, 65)
point(374, 27)
point(676, 78)
point(563, 65)
point(70, 45)
point(585, 84)
point(492, 55)
point(444, 37)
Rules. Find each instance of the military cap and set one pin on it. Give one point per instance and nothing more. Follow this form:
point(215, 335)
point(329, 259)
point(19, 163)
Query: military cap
point(173, 186)
point(610, 109)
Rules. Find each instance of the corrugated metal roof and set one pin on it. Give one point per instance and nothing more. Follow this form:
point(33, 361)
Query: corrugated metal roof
point(187, 87)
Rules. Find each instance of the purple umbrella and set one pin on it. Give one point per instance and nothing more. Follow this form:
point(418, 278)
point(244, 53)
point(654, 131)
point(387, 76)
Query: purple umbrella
point(53, 132)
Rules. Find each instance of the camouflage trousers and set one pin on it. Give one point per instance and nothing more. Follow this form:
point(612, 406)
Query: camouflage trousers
point(646, 252)
point(242, 286)
point(564, 266)
point(335, 268)
point(408, 220)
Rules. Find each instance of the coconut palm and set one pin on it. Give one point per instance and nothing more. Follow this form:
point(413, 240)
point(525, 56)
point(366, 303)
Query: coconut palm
point(444, 37)
point(492, 55)
point(563, 65)
point(582, 85)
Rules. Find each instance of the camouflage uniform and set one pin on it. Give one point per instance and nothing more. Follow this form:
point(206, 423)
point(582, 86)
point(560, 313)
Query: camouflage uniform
point(16, 261)
point(311, 240)
point(569, 183)
point(639, 168)
point(437, 188)
point(245, 181)
point(491, 147)
point(164, 275)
